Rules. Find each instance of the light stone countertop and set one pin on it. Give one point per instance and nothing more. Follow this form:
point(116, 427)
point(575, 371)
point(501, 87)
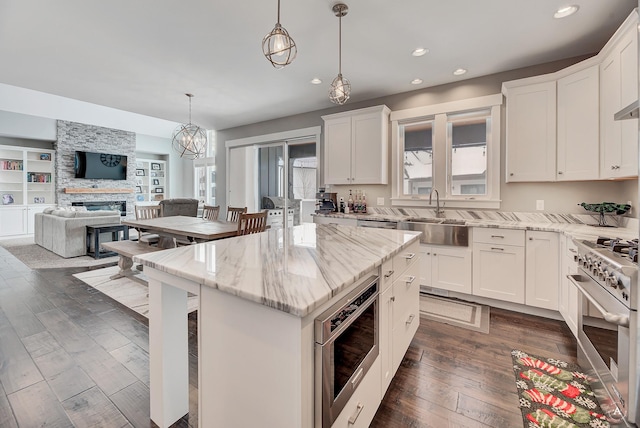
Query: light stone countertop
point(575, 226)
point(295, 273)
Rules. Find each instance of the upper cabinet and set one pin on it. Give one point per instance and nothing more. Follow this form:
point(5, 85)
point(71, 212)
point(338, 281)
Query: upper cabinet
point(531, 132)
point(618, 89)
point(578, 126)
point(560, 126)
point(356, 146)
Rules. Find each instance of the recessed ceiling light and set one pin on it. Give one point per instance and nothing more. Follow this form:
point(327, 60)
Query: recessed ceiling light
point(459, 71)
point(416, 81)
point(419, 51)
point(316, 81)
point(565, 11)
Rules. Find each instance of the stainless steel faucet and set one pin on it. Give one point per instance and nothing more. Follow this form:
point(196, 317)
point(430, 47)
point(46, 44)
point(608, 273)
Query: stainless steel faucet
point(439, 212)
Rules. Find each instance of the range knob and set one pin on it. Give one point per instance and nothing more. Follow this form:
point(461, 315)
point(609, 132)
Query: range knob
point(612, 281)
point(602, 273)
point(625, 296)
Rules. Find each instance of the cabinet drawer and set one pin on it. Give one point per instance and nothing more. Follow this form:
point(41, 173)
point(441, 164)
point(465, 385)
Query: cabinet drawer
point(404, 329)
point(386, 275)
point(405, 258)
point(498, 236)
point(406, 292)
point(363, 404)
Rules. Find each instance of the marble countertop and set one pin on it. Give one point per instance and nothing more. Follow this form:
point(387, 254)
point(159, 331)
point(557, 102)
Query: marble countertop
point(576, 226)
point(294, 270)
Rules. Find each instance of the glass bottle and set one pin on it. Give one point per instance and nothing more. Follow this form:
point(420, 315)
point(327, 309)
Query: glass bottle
point(350, 202)
point(364, 203)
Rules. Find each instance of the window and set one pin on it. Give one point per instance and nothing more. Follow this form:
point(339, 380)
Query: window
point(453, 148)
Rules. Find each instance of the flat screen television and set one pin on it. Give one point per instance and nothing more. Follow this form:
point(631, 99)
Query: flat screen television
point(105, 166)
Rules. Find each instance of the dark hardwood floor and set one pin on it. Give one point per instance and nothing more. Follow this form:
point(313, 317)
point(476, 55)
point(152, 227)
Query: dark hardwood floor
point(71, 356)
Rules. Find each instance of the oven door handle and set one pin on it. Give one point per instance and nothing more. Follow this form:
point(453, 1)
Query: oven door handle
point(618, 319)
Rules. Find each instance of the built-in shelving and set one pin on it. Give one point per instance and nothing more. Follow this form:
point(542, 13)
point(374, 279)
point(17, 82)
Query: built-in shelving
point(151, 180)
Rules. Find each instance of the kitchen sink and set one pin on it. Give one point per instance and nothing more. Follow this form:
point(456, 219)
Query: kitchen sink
point(439, 231)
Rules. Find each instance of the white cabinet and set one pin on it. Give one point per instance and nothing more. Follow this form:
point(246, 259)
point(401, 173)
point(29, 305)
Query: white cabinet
point(578, 147)
point(498, 264)
point(27, 183)
point(356, 146)
point(619, 88)
point(542, 267)
point(531, 132)
point(363, 404)
point(568, 293)
point(335, 220)
point(151, 180)
point(447, 268)
point(399, 315)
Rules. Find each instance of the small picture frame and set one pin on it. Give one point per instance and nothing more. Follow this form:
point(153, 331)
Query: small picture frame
point(153, 174)
point(45, 156)
point(156, 182)
point(138, 189)
point(139, 181)
point(38, 199)
point(7, 199)
point(159, 190)
point(139, 172)
point(158, 197)
point(155, 166)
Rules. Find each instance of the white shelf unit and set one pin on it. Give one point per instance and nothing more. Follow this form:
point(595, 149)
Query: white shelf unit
point(151, 180)
point(27, 186)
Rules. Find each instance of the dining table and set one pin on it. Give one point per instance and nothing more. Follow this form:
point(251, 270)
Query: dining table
point(192, 229)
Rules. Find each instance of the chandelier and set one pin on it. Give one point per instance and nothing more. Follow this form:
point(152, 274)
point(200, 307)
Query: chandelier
point(278, 46)
point(340, 87)
point(190, 140)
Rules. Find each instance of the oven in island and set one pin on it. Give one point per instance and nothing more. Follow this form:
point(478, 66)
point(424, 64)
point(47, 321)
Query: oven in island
point(347, 345)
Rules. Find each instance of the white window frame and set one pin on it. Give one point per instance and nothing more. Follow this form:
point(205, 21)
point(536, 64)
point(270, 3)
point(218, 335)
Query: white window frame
point(441, 147)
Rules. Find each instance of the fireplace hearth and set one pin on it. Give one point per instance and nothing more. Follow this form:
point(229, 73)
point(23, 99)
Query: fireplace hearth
point(103, 205)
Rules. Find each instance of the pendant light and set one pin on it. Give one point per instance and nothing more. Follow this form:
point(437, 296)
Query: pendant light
point(340, 87)
point(190, 140)
point(278, 46)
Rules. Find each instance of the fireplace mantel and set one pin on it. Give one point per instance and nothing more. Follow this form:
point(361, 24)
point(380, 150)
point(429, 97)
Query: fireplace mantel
point(95, 190)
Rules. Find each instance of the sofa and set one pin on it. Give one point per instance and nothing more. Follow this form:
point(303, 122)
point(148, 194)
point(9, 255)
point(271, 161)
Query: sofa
point(63, 231)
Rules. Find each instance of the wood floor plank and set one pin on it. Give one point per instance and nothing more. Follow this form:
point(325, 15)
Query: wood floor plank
point(40, 344)
point(37, 406)
point(70, 336)
point(70, 382)
point(135, 359)
point(133, 402)
point(17, 369)
point(54, 363)
point(7, 420)
point(108, 373)
point(92, 408)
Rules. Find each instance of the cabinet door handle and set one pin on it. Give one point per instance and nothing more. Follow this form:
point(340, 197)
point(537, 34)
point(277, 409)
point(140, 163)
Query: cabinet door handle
point(496, 248)
point(531, 238)
point(409, 256)
point(497, 236)
point(410, 319)
point(428, 254)
point(511, 174)
point(410, 280)
point(357, 378)
point(354, 417)
point(560, 172)
point(572, 250)
point(392, 298)
point(388, 274)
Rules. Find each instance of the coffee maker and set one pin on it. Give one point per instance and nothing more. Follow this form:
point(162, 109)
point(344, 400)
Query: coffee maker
point(327, 202)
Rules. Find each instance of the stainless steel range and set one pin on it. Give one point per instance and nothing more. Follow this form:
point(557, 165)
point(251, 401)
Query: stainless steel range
point(608, 324)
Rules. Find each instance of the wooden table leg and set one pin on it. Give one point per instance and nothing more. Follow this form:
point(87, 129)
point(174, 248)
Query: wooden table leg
point(124, 263)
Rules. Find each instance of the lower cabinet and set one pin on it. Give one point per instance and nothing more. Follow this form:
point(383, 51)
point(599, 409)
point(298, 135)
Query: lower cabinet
point(363, 404)
point(448, 268)
point(543, 264)
point(498, 271)
point(399, 315)
point(568, 294)
point(13, 221)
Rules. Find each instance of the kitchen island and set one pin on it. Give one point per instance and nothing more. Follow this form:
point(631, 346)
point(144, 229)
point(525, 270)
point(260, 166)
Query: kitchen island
point(259, 296)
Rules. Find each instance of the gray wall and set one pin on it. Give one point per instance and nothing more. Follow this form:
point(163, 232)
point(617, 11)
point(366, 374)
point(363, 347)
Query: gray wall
point(558, 197)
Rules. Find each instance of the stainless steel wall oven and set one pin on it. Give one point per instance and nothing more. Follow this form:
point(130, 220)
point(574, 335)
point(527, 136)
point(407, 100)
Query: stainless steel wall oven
point(347, 344)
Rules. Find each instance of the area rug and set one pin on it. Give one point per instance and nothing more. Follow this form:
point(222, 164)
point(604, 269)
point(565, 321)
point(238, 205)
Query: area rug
point(459, 313)
point(36, 257)
point(132, 292)
point(555, 393)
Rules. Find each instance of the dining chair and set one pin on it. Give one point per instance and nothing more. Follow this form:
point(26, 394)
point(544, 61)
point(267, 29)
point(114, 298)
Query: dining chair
point(233, 214)
point(252, 222)
point(145, 212)
point(210, 212)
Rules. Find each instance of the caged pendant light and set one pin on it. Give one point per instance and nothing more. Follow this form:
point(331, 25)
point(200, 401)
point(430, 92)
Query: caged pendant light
point(278, 46)
point(190, 140)
point(340, 87)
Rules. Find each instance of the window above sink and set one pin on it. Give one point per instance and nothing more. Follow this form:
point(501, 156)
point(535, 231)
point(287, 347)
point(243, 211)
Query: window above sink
point(453, 148)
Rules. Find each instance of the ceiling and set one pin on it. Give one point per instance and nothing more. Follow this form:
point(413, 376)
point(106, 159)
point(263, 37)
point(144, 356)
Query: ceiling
point(142, 56)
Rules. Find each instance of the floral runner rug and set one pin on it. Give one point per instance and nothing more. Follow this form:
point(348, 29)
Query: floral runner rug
point(555, 394)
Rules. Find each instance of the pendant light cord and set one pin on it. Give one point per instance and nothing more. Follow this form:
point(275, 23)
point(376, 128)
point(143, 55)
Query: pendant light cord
point(278, 11)
point(339, 44)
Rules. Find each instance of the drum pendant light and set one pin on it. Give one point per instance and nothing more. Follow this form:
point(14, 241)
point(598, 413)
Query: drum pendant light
point(278, 46)
point(190, 140)
point(340, 87)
